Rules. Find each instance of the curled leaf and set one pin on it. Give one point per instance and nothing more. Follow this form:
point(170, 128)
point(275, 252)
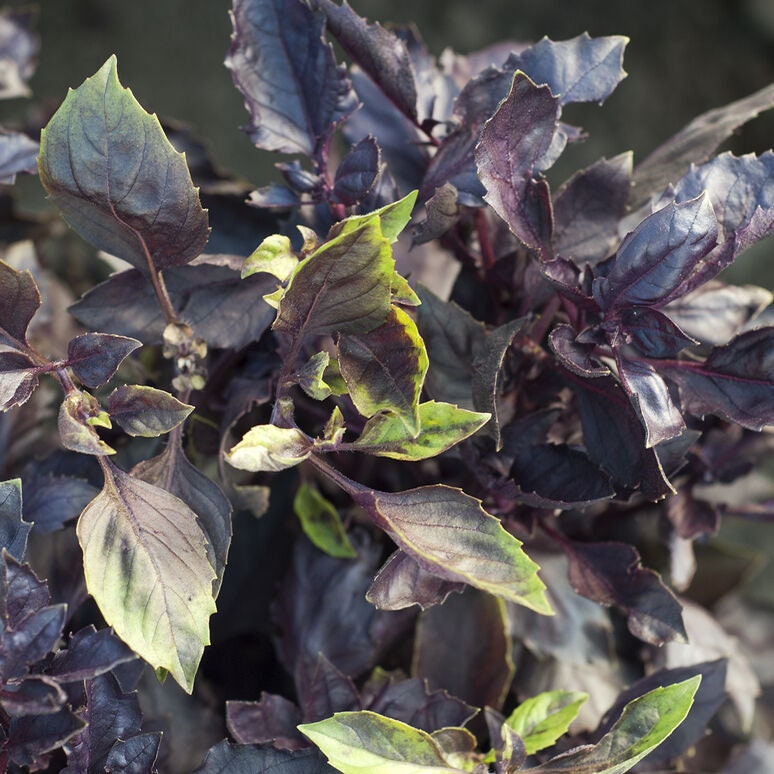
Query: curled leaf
point(270, 448)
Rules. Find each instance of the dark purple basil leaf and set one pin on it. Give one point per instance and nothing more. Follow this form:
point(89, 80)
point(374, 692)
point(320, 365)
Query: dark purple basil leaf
point(227, 758)
point(172, 472)
point(716, 312)
point(656, 258)
point(582, 69)
point(402, 144)
point(13, 529)
point(501, 738)
point(735, 185)
point(574, 355)
point(454, 163)
point(381, 54)
point(690, 516)
point(18, 379)
point(442, 213)
point(401, 583)
point(760, 225)
point(694, 144)
point(327, 691)
point(34, 637)
point(34, 695)
point(18, 51)
point(512, 145)
point(462, 647)
point(146, 411)
point(51, 501)
point(299, 179)
point(90, 652)
point(136, 755)
point(95, 357)
point(654, 334)
point(567, 278)
point(411, 701)
point(117, 180)
point(322, 609)
point(615, 439)
point(587, 209)
point(560, 474)
point(19, 300)
point(111, 714)
point(650, 397)
point(735, 382)
point(706, 702)
point(611, 574)
point(357, 173)
point(33, 735)
point(293, 89)
point(272, 720)
point(274, 195)
point(18, 153)
point(21, 593)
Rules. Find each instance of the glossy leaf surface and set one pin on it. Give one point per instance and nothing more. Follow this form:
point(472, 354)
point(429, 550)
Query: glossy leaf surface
point(146, 411)
point(117, 180)
point(95, 357)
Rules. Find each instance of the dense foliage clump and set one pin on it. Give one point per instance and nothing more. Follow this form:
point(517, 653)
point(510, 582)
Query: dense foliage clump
point(439, 439)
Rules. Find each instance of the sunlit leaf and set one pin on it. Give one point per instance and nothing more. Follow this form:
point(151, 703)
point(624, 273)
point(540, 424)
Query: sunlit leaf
point(117, 180)
point(146, 565)
point(541, 720)
point(273, 256)
point(270, 448)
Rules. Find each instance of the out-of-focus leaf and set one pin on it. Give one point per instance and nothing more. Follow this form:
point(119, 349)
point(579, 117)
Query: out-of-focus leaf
point(413, 702)
point(365, 741)
point(18, 51)
point(78, 415)
point(19, 300)
point(228, 758)
point(13, 528)
point(462, 646)
point(172, 472)
point(611, 574)
point(441, 426)
point(50, 501)
point(401, 582)
point(270, 448)
point(18, 153)
point(735, 382)
point(273, 256)
point(381, 54)
point(512, 144)
point(321, 523)
point(385, 368)
point(117, 180)
point(272, 720)
point(442, 213)
point(587, 209)
point(542, 719)
point(30, 736)
point(694, 144)
point(283, 39)
point(655, 260)
point(328, 690)
point(343, 286)
point(95, 357)
point(707, 700)
point(450, 535)
point(715, 312)
point(90, 652)
point(357, 173)
point(146, 411)
point(650, 397)
point(691, 516)
point(645, 723)
point(145, 560)
point(582, 69)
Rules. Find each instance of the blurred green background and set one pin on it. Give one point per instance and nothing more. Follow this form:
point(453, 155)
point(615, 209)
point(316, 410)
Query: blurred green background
point(684, 57)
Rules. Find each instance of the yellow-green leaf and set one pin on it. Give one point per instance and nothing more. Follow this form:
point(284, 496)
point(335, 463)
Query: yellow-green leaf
point(541, 720)
point(442, 425)
point(393, 218)
point(269, 448)
point(145, 561)
point(273, 256)
point(321, 523)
